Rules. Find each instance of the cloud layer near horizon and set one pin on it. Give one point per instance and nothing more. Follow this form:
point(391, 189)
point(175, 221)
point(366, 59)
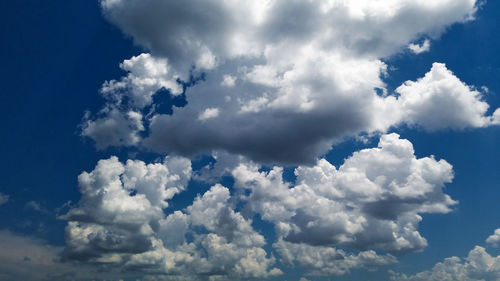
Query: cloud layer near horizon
point(371, 203)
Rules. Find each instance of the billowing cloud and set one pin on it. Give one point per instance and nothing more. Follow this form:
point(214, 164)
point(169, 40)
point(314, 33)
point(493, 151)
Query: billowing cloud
point(285, 91)
point(120, 223)
point(440, 100)
point(269, 82)
point(477, 266)
point(373, 201)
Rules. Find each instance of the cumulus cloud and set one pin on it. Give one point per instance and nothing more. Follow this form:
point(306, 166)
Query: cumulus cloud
point(281, 82)
point(494, 239)
point(373, 201)
point(477, 266)
point(120, 223)
point(146, 75)
point(440, 100)
point(286, 91)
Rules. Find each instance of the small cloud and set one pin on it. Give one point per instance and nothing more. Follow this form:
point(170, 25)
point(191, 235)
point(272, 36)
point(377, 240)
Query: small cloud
point(4, 198)
point(494, 239)
point(420, 48)
point(35, 206)
point(208, 114)
point(228, 81)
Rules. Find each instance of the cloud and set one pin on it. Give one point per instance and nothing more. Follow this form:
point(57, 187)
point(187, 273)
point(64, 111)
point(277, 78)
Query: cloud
point(25, 258)
point(319, 260)
point(205, 33)
point(36, 206)
point(287, 92)
point(209, 113)
point(372, 201)
point(120, 223)
point(478, 265)
point(422, 48)
point(4, 198)
point(113, 128)
point(494, 239)
point(440, 100)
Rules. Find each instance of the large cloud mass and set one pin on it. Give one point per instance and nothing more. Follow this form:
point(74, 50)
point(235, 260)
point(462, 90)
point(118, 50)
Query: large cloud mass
point(328, 221)
point(271, 82)
point(284, 79)
point(372, 201)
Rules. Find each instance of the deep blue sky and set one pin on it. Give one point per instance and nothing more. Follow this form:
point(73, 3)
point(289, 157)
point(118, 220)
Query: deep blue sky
point(55, 55)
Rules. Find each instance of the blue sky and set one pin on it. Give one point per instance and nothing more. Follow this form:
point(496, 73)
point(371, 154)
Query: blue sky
point(56, 56)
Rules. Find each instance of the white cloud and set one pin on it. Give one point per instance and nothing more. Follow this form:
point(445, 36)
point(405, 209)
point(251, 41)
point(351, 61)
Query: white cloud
point(285, 86)
point(4, 198)
point(146, 75)
point(373, 201)
point(208, 113)
point(477, 266)
point(440, 100)
point(420, 48)
point(119, 222)
point(494, 239)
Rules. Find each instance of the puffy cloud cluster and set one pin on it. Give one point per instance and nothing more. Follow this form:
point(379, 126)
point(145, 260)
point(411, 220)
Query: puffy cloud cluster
point(120, 222)
point(287, 78)
point(477, 266)
point(281, 82)
point(373, 201)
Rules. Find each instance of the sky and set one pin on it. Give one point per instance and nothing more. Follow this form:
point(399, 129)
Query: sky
point(250, 140)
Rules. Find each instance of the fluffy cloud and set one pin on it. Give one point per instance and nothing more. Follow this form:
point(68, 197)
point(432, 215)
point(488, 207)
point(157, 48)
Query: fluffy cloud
point(440, 100)
point(285, 91)
point(120, 223)
point(494, 239)
point(372, 201)
point(477, 266)
point(146, 75)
